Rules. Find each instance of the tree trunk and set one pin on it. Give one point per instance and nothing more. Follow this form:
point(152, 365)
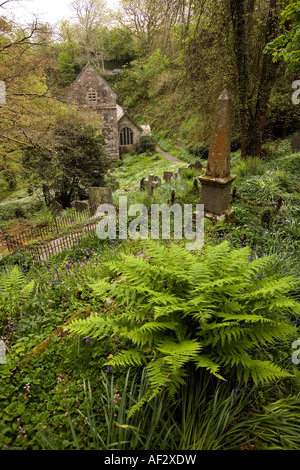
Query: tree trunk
point(253, 112)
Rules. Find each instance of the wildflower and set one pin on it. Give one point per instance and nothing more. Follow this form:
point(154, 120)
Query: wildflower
point(237, 390)
point(108, 370)
point(56, 281)
point(15, 325)
point(259, 276)
point(250, 258)
point(88, 340)
point(10, 328)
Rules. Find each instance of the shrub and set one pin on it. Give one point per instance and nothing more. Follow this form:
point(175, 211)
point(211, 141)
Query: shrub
point(198, 150)
point(10, 177)
point(28, 207)
point(146, 143)
point(250, 166)
point(293, 164)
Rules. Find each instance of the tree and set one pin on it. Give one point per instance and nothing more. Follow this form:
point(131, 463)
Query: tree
point(28, 101)
point(70, 159)
point(148, 19)
point(91, 16)
point(286, 47)
point(256, 72)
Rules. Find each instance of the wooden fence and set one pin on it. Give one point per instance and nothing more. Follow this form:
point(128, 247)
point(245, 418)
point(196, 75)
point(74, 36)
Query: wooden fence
point(51, 229)
point(52, 238)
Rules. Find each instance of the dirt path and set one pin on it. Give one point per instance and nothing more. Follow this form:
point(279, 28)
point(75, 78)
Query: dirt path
point(168, 156)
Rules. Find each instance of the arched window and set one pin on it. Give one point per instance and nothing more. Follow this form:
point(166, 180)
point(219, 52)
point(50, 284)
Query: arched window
point(126, 136)
point(92, 95)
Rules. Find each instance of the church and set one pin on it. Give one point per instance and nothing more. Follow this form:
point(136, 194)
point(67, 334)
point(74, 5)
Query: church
point(90, 90)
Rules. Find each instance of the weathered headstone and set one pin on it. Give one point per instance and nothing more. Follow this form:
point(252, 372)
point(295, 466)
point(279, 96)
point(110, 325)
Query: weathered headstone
point(97, 196)
point(81, 206)
point(168, 176)
point(216, 183)
point(151, 183)
point(176, 177)
point(56, 207)
point(296, 142)
point(197, 165)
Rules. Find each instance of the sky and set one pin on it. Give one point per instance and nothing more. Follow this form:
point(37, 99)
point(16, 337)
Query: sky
point(50, 11)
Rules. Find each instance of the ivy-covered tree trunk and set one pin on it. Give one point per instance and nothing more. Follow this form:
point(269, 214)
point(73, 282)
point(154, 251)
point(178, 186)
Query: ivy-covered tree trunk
point(254, 92)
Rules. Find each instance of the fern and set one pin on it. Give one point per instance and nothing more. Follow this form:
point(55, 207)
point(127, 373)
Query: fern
point(212, 309)
point(14, 288)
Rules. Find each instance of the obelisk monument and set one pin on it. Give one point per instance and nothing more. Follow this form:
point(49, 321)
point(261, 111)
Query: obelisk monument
point(216, 183)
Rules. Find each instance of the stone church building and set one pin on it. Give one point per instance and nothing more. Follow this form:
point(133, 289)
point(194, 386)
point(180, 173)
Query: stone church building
point(91, 91)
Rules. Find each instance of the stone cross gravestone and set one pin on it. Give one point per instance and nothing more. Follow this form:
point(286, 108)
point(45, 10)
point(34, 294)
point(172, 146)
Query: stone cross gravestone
point(98, 196)
point(296, 142)
point(216, 183)
point(151, 183)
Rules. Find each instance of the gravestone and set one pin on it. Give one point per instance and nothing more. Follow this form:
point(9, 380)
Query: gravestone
point(56, 207)
point(217, 180)
point(177, 177)
point(98, 196)
point(151, 183)
point(142, 184)
point(296, 142)
point(197, 165)
point(168, 175)
point(81, 206)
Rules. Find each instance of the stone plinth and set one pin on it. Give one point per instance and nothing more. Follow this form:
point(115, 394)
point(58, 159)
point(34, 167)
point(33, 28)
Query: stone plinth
point(97, 196)
point(216, 193)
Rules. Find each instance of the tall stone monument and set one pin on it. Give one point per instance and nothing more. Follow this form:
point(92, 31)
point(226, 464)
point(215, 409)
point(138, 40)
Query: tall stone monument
point(216, 183)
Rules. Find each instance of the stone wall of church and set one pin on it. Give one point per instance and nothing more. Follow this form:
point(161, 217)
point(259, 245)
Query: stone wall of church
point(105, 105)
point(126, 122)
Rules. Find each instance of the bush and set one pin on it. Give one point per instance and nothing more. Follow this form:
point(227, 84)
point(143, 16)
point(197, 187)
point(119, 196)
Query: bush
point(250, 166)
point(10, 177)
point(293, 164)
point(198, 150)
point(28, 207)
point(146, 143)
